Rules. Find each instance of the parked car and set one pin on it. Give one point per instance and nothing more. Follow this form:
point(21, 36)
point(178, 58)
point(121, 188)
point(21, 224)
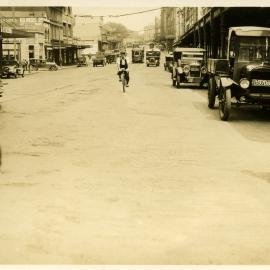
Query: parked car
point(189, 66)
point(245, 74)
point(12, 68)
point(152, 57)
point(137, 55)
point(99, 59)
point(82, 62)
point(110, 56)
point(37, 64)
point(168, 63)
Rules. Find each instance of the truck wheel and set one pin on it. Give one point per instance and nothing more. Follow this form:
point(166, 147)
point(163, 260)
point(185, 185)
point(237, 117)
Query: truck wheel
point(224, 103)
point(212, 86)
point(178, 81)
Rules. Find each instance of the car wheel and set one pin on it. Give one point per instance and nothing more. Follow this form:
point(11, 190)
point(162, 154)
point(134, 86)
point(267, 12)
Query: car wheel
point(178, 81)
point(224, 103)
point(212, 91)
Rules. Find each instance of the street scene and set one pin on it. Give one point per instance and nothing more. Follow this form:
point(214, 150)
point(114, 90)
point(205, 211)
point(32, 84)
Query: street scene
point(121, 146)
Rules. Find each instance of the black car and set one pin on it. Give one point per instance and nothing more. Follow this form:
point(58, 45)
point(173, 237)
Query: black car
point(12, 68)
point(245, 74)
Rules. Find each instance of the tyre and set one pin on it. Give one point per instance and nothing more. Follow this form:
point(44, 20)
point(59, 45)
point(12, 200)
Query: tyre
point(178, 81)
point(212, 91)
point(15, 75)
point(123, 79)
point(173, 82)
point(147, 65)
point(224, 103)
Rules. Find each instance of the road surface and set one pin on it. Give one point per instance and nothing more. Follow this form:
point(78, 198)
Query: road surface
point(91, 175)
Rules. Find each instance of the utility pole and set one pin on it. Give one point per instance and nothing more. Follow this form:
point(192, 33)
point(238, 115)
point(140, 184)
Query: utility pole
point(1, 49)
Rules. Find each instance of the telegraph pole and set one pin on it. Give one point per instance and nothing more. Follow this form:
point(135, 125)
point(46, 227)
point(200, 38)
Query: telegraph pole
point(1, 49)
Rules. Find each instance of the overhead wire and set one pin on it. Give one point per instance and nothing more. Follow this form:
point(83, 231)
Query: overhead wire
point(119, 15)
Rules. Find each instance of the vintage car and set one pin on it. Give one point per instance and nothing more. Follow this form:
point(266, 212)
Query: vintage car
point(99, 59)
point(12, 68)
point(244, 76)
point(110, 56)
point(152, 57)
point(137, 55)
point(82, 62)
point(168, 63)
point(43, 64)
point(189, 66)
point(1, 87)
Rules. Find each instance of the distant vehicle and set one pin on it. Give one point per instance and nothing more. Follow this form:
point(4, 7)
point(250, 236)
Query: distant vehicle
point(37, 64)
point(99, 59)
point(12, 68)
point(168, 64)
point(244, 75)
point(137, 55)
point(110, 56)
point(81, 62)
point(152, 57)
point(189, 66)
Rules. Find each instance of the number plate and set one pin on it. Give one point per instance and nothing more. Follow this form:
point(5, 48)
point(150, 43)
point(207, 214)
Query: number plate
point(265, 83)
point(194, 69)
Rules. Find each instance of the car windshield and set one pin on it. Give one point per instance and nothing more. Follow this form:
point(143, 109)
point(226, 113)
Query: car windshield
point(153, 53)
point(254, 49)
point(193, 56)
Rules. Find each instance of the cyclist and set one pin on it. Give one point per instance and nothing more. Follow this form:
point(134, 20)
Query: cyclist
point(122, 63)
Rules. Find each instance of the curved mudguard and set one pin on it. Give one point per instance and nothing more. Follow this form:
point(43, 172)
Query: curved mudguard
point(180, 70)
point(225, 82)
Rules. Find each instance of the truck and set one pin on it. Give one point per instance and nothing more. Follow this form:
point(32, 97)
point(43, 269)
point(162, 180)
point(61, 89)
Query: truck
point(243, 77)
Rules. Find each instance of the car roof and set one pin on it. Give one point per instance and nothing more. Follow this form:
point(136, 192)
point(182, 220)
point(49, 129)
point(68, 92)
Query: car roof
point(250, 31)
point(186, 49)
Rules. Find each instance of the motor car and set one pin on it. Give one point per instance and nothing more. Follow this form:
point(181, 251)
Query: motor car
point(189, 66)
point(137, 55)
point(152, 57)
point(168, 62)
point(99, 59)
point(110, 56)
point(43, 64)
point(12, 68)
point(82, 62)
point(243, 77)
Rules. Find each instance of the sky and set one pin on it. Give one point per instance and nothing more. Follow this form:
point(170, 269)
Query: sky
point(132, 22)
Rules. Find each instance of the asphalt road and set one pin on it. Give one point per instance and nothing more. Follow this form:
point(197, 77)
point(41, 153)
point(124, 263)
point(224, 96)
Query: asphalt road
point(91, 175)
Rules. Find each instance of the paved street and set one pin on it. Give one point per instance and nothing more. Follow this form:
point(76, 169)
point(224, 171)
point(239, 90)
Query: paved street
point(94, 176)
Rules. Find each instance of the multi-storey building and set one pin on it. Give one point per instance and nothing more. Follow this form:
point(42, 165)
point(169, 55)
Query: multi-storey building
point(157, 29)
point(52, 29)
point(89, 30)
point(168, 25)
point(208, 27)
point(149, 33)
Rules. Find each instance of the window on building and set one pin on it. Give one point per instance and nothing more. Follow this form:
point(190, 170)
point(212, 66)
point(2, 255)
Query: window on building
point(31, 49)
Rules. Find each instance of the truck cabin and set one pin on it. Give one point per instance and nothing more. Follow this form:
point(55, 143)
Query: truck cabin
point(247, 46)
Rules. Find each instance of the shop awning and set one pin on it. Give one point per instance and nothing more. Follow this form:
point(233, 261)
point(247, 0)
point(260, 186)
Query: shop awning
point(15, 33)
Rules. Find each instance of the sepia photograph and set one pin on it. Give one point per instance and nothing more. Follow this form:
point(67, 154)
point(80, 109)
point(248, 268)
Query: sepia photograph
point(134, 133)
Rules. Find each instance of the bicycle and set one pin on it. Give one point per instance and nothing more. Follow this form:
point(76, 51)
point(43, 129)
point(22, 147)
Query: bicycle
point(123, 79)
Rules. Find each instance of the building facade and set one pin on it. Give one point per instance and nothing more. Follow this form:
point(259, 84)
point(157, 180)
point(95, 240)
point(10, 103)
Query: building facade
point(168, 26)
point(208, 27)
point(149, 33)
point(52, 29)
point(157, 29)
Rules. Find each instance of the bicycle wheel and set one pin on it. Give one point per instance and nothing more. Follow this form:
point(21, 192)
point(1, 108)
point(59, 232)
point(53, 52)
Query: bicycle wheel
point(123, 78)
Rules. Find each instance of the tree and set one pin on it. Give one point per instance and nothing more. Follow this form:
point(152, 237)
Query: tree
point(115, 31)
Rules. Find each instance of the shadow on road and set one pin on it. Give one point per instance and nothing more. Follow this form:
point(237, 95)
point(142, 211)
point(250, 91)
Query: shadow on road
point(249, 121)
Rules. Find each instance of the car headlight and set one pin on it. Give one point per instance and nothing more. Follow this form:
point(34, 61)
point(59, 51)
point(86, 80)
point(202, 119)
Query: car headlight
point(203, 70)
point(186, 69)
point(244, 83)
